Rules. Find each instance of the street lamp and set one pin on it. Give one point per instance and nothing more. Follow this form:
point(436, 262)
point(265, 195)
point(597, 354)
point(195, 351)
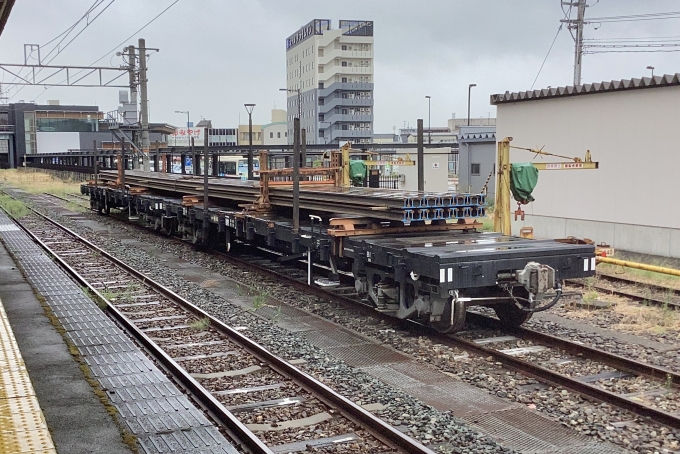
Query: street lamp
point(185, 112)
point(429, 125)
point(469, 90)
point(652, 69)
point(249, 109)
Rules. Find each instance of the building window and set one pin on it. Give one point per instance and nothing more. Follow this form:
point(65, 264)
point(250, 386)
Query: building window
point(344, 47)
point(344, 63)
point(321, 117)
point(344, 80)
point(321, 101)
point(474, 169)
point(278, 135)
point(286, 133)
point(320, 83)
point(271, 135)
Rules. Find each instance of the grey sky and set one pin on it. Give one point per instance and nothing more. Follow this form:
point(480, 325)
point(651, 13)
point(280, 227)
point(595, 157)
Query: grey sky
point(216, 55)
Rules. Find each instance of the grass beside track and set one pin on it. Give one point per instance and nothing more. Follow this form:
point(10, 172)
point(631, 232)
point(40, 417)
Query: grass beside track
point(37, 182)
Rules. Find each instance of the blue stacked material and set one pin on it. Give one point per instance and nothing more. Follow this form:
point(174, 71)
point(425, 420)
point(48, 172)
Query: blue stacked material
point(430, 207)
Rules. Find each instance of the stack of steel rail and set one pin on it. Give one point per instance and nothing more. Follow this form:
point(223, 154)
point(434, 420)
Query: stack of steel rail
point(387, 204)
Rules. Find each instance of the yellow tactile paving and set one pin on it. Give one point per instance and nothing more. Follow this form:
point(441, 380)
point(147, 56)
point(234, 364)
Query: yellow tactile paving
point(22, 425)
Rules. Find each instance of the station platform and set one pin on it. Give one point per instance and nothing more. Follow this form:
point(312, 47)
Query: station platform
point(97, 390)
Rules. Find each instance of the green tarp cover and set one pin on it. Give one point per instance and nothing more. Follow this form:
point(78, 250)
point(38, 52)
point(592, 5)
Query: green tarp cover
point(523, 179)
point(357, 171)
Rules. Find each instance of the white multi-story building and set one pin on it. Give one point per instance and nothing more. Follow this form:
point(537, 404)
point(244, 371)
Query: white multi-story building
point(331, 71)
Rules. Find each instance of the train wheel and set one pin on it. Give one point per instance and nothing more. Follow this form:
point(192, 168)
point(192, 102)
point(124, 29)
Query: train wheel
point(510, 315)
point(451, 324)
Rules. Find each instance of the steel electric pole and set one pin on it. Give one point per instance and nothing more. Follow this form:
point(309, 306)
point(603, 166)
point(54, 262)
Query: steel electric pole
point(144, 105)
point(577, 25)
point(132, 75)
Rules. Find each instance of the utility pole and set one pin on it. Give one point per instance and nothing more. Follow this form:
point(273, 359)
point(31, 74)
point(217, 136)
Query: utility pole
point(578, 39)
point(132, 74)
point(421, 157)
point(144, 105)
point(296, 176)
point(249, 109)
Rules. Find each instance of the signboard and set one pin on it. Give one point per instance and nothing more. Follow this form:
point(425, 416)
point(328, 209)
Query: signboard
point(315, 27)
point(182, 137)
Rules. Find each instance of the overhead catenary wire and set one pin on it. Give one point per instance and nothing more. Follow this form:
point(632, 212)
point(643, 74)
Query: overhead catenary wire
point(65, 32)
point(65, 35)
point(115, 48)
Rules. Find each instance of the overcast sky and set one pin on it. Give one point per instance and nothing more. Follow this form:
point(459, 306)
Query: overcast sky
point(216, 55)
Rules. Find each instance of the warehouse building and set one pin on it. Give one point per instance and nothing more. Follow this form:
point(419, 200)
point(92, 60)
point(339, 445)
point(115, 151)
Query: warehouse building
point(629, 127)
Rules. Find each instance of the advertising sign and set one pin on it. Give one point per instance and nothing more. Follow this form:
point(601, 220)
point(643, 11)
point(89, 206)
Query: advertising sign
point(182, 137)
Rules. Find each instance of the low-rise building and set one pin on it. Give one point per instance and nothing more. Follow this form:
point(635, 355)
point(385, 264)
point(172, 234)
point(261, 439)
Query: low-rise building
point(477, 159)
point(276, 132)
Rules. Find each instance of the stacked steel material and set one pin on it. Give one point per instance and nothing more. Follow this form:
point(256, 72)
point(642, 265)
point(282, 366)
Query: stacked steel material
point(443, 206)
point(385, 204)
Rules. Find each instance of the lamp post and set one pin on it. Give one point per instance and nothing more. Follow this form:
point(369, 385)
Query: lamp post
point(249, 109)
point(652, 69)
point(185, 112)
point(429, 125)
point(469, 90)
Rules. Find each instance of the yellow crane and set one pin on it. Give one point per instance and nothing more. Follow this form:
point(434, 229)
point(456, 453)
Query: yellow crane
point(502, 222)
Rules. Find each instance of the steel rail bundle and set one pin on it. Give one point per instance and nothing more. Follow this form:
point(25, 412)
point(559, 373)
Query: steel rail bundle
point(384, 204)
point(375, 426)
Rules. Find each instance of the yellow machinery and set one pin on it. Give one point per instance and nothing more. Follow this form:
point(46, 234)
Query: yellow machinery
point(501, 222)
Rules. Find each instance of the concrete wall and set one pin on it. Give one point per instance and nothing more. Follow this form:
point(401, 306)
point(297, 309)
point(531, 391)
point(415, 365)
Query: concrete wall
point(629, 201)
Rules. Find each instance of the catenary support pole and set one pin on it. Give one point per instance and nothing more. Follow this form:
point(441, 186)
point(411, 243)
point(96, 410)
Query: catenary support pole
point(578, 51)
point(121, 165)
point(296, 176)
point(206, 217)
point(144, 105)
point(194, 161)
point(303, 146)
point(421, 157)
point(96, 162)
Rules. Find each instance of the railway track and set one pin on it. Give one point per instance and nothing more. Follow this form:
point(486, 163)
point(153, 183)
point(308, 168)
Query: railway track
point(261, 401)
point(656, 295)
point(549, 359)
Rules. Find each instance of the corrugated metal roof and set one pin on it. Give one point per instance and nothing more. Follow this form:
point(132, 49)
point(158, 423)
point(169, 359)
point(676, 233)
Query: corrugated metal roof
point(477, 136)
point(666, 80)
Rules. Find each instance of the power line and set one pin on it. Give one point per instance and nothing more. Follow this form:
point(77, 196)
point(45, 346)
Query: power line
point(68, 30)
point(124, 41)
point(60, 49)
point(65, 35)
point(546, 55)
point(638, 17)
point(132, 35)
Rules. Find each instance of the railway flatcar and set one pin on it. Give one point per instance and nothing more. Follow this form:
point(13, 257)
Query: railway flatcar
point(411, 255)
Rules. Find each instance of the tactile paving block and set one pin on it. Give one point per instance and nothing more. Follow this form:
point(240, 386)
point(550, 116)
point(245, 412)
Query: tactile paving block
point(27, 441)
point(18, 414)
